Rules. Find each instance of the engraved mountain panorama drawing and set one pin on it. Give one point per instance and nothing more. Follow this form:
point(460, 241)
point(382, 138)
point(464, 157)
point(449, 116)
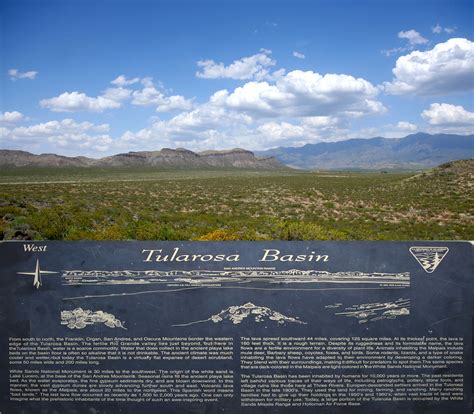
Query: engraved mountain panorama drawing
point(203, 277)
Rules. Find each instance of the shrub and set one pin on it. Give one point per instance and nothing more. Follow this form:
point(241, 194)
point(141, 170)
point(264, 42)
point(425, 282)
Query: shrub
point(219, 235)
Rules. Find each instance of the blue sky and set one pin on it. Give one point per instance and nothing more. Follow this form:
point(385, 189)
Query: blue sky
point(101, 77)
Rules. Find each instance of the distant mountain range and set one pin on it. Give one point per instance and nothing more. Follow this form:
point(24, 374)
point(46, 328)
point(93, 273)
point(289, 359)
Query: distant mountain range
point(166, 158)
point(416, 151)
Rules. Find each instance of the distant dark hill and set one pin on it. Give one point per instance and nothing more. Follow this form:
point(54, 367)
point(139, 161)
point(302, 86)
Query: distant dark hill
point(166, 158)
point(14, 158)
point(416, 151)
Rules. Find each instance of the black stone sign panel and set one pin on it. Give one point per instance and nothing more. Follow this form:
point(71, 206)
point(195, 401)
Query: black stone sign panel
point(238, 327)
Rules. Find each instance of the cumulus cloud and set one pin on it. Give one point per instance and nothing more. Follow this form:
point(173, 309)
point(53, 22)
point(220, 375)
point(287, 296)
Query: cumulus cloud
point(149, 95)
point(174, 102)
point(16, 74)
point(299, 55)
point(447, 68)
point(148, 81)
point(123, 81)
point(447, 114)
point(206, 117)
point(112, 98)
point(300, 93)
point(215, 127)
point(11, 117)
point(413, 37)
point(281, 131)
point(116, 94)
point(294, 108)
point(407, 126)
point(66, 133)
point(321, 121)
point(204, 127)
point(250, 67)
point(300, 132)
point(53, 128)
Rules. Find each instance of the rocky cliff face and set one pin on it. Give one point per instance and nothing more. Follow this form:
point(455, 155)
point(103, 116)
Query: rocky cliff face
point(237, 158)
point(166, 158)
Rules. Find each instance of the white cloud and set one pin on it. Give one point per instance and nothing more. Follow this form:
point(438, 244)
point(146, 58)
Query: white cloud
point(150, 96)
point(215, 124)
point(58, 127)
point(255, 98)
point(447, 68)
point(302, 107)
point(250, 67)
point(439, 29)
point(321, 121)
point(16, 74)
point(116, 94)
point(215, 127)
point(414, 38)
point(279, 131)
point(174, 102)
point(204, 127)
point(300, 93)
point(447, 114)
point(112, 98)
point(204, 118)
point(297, 133)
point(407, 126)
point(296, 108)
point(67, 133)
point(3, 133)
point(299, 55)
point(148, 82)
point(393, 51)
point(123, 81)
point(11, 117)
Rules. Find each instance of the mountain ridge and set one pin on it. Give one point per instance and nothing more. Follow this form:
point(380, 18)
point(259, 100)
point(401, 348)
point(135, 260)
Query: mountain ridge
point(172, 158)
point(415, 151)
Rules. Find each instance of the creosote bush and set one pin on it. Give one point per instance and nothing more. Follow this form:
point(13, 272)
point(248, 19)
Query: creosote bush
point(236, 205)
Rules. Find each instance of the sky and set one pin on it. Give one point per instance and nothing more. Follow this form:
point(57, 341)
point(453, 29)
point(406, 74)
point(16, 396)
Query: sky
point(94, 78)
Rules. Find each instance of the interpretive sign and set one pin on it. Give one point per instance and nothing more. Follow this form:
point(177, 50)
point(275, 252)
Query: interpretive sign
point(158, 327)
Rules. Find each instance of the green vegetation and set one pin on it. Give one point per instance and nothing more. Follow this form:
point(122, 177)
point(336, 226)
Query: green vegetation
point(139, 204)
